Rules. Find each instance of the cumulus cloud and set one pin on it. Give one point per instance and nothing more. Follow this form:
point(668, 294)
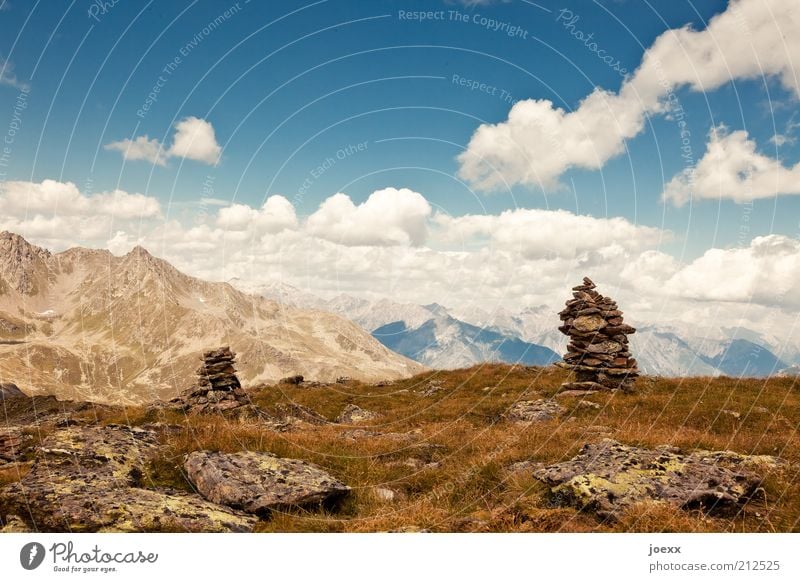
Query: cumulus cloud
point(732, 169)
point(539, 141)
point(538, 234)
point(194, 139)
point(388, 217)
point(394, 245)
point(58, 214)
point(766, 272)
point(141, 148)
point(275, 215)
point(51, 197)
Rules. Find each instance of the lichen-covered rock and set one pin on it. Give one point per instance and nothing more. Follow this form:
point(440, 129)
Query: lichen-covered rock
point(353, 414)
point(258, 482)
point(607, 478)
point(534, 410)
point(91, 478)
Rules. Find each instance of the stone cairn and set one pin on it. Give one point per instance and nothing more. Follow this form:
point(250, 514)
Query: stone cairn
point(598, 349)
point(217, 388)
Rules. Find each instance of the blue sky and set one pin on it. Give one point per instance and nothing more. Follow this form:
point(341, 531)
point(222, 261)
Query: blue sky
point(287, 85)
point(89, 78)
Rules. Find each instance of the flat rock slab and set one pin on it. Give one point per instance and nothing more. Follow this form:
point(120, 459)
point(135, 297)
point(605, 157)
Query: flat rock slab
point(88, 479)
point(608, 477)
point(534, 411)
point(258, 482)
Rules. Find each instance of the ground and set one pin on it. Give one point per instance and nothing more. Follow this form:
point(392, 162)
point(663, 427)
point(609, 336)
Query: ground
point(442, 457)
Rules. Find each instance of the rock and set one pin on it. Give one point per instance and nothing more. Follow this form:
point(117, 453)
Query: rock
point(353, 414)
point(598, 348)
point(258, 482)
point(294, 380)
point(293, 413)
point(607, 478)
point(218, 389)
point(384, 494)
point(89, 479)
point(588, 404)
point(9, 391)
point(587, 323)
point(534, 411)
point(732, 413)
point(342, 379)
point(432, 388)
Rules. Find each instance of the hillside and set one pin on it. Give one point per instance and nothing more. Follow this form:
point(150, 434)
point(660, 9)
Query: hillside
point(443, 451)
point(88, 325)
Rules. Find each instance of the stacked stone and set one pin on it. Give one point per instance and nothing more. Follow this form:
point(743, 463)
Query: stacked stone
point(217, 371)
point(217, 388)
point(598, 350)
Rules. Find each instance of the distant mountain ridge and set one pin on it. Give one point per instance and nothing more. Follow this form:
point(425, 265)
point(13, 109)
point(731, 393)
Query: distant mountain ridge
point(89, 325)
point(443, 338)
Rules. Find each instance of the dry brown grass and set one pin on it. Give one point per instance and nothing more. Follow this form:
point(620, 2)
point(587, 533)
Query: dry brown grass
point(446, 456)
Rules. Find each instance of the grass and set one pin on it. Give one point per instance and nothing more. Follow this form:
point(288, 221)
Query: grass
point(446, 456)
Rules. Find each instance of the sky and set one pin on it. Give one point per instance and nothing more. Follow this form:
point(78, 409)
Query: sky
point(459, 152)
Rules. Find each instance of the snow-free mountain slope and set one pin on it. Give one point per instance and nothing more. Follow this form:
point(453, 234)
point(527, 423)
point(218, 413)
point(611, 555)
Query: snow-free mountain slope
point(89, 325)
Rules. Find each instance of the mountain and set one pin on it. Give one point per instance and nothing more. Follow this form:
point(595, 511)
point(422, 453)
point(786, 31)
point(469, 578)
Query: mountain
point(447, 343)
point(447, 338)
point(428, 334)
point(89, 325)
point(741, 357)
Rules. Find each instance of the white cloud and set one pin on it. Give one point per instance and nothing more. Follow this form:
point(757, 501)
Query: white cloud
point(194, 139)
point(766, 272)
point(60, 215)
point(54, 198)
point(275, 215)
point(388, 217)
point(539, 234)
point(140, 148)
point(732, 169)
point(539, 141)
point(9, 77)
point(402, 250)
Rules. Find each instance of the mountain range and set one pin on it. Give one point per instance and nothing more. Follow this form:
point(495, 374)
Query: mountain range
point(451, 338)
point(89, 325)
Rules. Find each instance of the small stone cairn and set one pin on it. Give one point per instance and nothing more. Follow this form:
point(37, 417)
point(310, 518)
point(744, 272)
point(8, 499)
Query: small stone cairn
point(217, 388)
point(598, 349)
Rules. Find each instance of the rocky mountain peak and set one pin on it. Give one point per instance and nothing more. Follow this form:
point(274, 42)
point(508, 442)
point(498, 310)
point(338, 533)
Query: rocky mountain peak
point(21, 262)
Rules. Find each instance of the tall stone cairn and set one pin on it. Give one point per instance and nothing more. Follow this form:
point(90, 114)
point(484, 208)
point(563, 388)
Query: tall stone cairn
point(598, 349)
